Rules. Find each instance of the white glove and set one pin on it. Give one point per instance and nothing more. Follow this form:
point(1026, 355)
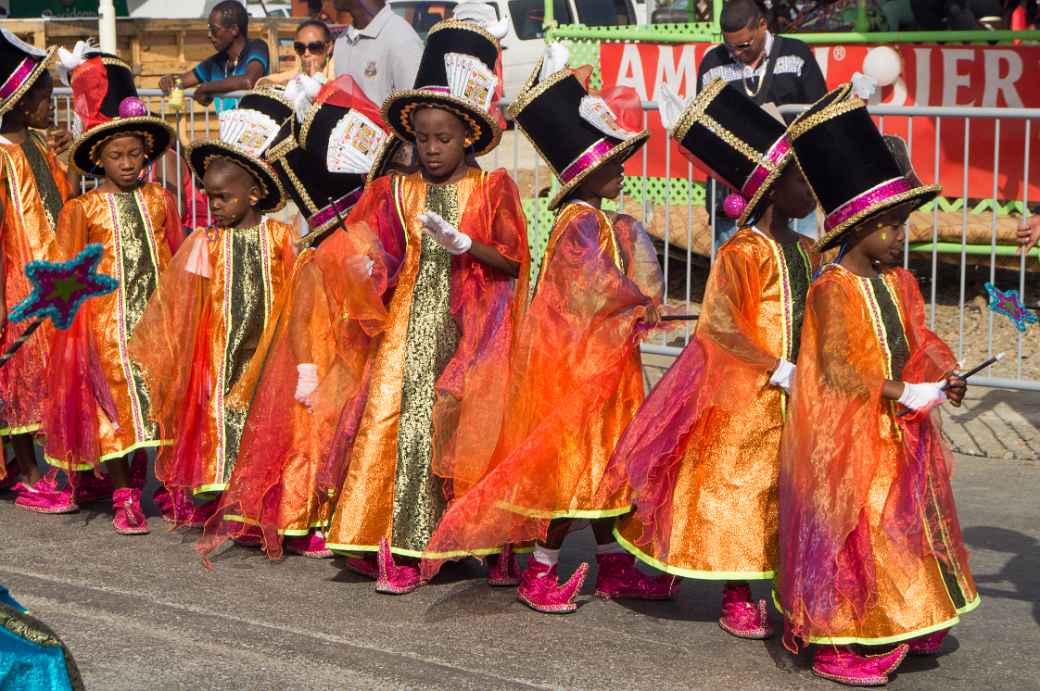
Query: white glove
point(783, 375)
point(918, 396)
point(306, 382)
point(445, 234)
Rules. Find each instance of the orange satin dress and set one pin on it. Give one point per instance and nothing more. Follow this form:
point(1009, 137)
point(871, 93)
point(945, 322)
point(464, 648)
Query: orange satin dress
point(871, 547)
point(436, 367)
point(575, 383)
point(140, 231)
point(725, 515)
point(33, 188)
point(198, 336)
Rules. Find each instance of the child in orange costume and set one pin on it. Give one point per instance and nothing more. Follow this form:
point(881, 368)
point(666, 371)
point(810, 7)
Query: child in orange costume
point(576, 375)
point(201, 329)
point(33, 187)
point(703, 454)
point(871, 551)
point(453, 273)
point(140, 230)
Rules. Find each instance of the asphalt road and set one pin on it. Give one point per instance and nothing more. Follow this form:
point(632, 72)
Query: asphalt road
point(142, 612)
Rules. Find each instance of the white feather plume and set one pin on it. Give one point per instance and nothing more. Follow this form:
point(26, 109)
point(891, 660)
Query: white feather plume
point(554, 59)
point(670, 105)
point(69, 60)
point(484, 15)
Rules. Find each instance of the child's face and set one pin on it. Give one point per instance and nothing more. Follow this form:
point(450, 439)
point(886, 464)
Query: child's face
point(792, 197)
point(882, 239)
point(606, 182)
point(36, 104)
point(123, 159)
point(232, 191)
point(440, 140)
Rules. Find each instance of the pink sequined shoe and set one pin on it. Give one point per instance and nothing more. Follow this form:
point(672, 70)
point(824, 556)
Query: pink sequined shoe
point(539, 589)
point(163, 500)
point(840, 664)
point(928, 644)
point(505, 572)
point(392, 578)
point(740, 617)
point(44, 496)
point(186, 513)
point(129, 518)
point(618, 578)
point(311, 545)
point(91, 488)
point(366, 566)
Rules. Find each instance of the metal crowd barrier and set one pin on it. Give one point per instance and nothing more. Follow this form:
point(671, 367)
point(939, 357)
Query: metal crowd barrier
point(943, 268)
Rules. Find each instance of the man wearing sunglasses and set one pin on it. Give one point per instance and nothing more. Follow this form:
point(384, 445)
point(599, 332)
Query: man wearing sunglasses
point(237, 65)
point(769, 69)
point(380, 51)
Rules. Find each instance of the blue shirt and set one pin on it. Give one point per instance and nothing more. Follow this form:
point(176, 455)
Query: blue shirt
point(216, 67)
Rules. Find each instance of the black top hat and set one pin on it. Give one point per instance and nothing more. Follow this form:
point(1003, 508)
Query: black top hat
point(737, 141)
point(118, 111)
point(246, 133)
point(457, 73)
point(574, 132)
point(20, 66)
point(849, 167)
point(322, 196)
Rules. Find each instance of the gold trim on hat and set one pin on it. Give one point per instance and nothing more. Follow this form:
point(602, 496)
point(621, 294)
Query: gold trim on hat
point(96, 137)
point(266, 179)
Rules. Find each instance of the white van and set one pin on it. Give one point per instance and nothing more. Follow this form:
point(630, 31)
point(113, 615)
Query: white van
point(523, 45)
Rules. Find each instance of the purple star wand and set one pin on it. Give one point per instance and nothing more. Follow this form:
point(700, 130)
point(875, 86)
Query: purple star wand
point(59, 290)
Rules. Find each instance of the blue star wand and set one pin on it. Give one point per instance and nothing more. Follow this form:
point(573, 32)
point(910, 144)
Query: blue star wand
point(59, 290)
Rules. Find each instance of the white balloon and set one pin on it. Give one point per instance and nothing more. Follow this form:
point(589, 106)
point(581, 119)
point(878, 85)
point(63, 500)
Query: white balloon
point(883, 64)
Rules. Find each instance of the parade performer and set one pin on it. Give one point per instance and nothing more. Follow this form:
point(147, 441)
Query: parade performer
point(306, 380)
point(201, 329)
point(871, 551)
point(576, 377)
point(33, 187)
point(703, 454)
point(454, 267)
point(98, 405)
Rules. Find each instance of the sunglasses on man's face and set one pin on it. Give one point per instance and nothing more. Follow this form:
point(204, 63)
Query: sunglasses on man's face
point(316, 47)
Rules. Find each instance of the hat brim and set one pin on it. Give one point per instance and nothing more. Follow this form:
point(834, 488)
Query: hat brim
point(915, 198)
point(398, 109)
point(272, 196)
point(621, 153)
point(86, 151)
point(39, 69)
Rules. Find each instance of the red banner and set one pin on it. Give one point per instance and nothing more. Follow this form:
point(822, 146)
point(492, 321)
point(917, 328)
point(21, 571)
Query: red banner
point(994, 76)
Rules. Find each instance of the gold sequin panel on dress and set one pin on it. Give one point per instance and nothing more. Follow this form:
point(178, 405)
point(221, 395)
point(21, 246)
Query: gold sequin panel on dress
point(431, 342)
point(139, 264)
point(246, 314)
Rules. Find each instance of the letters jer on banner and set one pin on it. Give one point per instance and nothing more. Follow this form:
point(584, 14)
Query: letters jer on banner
point(993, 76)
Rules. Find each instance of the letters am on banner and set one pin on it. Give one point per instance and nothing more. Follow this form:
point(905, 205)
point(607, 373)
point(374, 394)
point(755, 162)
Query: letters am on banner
point(931, 75)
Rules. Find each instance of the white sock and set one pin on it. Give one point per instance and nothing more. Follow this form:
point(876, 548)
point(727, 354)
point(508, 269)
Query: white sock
point(544, 555)
point(609, 548)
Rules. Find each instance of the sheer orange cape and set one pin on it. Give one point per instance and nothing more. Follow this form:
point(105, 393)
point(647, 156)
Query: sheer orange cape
point(865, 497)
point(574, 383)
point(284, 479)
point(702, 456)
